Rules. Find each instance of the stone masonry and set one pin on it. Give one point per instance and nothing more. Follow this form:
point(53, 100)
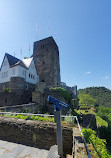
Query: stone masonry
point(46, 58)
point(34, 133)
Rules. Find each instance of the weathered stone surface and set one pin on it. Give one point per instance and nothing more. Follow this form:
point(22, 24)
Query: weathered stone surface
point(46, 58)
point(34, 133)
point(15, 98)
point(89, 120)
point(31, 108)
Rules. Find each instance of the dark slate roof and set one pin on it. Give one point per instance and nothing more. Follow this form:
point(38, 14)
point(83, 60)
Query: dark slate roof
point(11, 59)
point(20, 63)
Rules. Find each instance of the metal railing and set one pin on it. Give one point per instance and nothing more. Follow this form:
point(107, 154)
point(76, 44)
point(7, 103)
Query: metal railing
point(63, 116)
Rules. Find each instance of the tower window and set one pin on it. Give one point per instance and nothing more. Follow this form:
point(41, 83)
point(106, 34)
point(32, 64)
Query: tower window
point(26, 87)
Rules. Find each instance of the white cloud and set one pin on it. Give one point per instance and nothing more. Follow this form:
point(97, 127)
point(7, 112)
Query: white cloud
point(88, 72)
point(106, 77)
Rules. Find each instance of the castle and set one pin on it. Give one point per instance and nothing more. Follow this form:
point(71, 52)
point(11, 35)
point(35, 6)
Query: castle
point(29, 79)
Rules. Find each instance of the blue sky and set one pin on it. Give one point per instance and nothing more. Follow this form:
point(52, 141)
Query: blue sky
point(81, 28)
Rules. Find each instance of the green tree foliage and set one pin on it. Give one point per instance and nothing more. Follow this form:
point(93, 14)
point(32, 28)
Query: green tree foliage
point(64, 93)
point(102, 95)
point(85, 99)
point(105, 132)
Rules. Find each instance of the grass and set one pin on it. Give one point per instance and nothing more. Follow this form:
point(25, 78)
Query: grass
point(100, 122)
point(28, 117)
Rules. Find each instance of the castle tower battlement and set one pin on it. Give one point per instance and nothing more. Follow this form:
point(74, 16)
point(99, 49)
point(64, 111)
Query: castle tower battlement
point(46, 59)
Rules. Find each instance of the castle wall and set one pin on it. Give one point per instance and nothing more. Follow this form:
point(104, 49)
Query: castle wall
point(34, 133)
point(20, 92)
point(46, 58)
point(40, 98)
point(15, 98)
point(30, 108)
point(4, 85)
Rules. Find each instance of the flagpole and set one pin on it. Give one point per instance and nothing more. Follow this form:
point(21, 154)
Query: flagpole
point(49, 27)
point(36, 32)
point(21, 53)
point(29, 50)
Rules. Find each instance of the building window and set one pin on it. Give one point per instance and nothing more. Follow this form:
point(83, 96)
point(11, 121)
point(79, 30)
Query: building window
point(5, 74)
point(26, 87)
point(29, 75)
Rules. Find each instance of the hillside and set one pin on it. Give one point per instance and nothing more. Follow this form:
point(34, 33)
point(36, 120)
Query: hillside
point(101, 94)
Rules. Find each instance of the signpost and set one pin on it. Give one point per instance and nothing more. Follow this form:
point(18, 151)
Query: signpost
point(57, 114)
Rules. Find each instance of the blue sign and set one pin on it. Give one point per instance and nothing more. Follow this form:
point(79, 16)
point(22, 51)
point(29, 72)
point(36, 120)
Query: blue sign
point(57, 103)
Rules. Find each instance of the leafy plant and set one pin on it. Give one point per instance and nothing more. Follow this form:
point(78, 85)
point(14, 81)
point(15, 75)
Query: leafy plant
point(64, 93)
point(6, 90)
point(30, 117)
point(98, 144)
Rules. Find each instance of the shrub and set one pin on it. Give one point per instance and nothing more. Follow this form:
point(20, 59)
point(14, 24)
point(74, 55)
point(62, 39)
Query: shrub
point(64, 93)
point(6, 90)
point(98, 144)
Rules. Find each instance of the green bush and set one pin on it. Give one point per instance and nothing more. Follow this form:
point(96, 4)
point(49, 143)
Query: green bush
point(98, 144)
point(64, 93)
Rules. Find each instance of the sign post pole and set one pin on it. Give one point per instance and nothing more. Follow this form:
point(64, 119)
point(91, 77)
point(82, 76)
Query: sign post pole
point(57, 117)
point(59, 133)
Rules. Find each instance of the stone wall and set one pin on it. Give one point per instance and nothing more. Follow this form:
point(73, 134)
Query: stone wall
point(4, 85)
point(15, 98)
point(17, 83)
point(40, 97)
point(55, 94)
point(46, 59)
point(89, 121)
point(34, 133)
point(30, 108)
point(19, 94)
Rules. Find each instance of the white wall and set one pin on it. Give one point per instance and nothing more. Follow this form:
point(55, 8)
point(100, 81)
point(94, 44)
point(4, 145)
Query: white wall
point(32, 71)
point(4, 69)
point(18, 71)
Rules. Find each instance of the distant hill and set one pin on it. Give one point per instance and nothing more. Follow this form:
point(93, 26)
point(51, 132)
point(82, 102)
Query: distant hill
point(101, 94)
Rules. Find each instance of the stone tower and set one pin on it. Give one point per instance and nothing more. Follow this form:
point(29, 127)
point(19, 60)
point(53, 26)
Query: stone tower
point(46, 58)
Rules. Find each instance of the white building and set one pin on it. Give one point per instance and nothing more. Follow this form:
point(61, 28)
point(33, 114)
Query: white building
point(13, 67)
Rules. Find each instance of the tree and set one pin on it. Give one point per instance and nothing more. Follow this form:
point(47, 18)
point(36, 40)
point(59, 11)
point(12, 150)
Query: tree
point(85, 99)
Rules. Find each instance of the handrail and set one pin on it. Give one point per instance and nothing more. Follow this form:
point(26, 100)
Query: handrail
point(26, 114)
point(87, 150)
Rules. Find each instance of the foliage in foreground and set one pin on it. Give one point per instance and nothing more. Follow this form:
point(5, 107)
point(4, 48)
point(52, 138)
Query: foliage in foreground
point(98, 144)
point(29, 117)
